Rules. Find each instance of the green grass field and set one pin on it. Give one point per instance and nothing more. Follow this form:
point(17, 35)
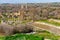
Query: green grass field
point(22, 37)
point(36, 36)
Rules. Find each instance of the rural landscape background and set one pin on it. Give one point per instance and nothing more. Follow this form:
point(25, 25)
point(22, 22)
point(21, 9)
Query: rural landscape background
point(30, 21)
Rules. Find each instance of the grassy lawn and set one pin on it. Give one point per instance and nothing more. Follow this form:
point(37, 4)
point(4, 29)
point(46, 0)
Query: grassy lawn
point(36, 36)
point(22, 37)
point(50, 22)
point(2, 38)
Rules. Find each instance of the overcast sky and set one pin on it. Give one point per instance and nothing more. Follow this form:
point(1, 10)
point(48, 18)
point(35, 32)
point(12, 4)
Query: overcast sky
point(28, 1)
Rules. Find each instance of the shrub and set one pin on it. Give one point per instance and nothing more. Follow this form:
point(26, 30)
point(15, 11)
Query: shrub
point(6, 29)
point(24, 28)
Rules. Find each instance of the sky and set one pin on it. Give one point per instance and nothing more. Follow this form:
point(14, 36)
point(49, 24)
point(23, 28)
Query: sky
point(28, 1)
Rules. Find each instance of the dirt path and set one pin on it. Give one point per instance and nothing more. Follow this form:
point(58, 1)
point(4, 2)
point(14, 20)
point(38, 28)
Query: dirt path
point(48, 27)
point(2, 34)
point(55, 20)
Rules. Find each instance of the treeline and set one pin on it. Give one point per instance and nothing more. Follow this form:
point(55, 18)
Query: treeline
point(31, 11)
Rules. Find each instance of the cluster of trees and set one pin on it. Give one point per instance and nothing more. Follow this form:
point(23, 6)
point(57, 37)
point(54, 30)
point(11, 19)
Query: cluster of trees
point(36, 12)
point(31, 11)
